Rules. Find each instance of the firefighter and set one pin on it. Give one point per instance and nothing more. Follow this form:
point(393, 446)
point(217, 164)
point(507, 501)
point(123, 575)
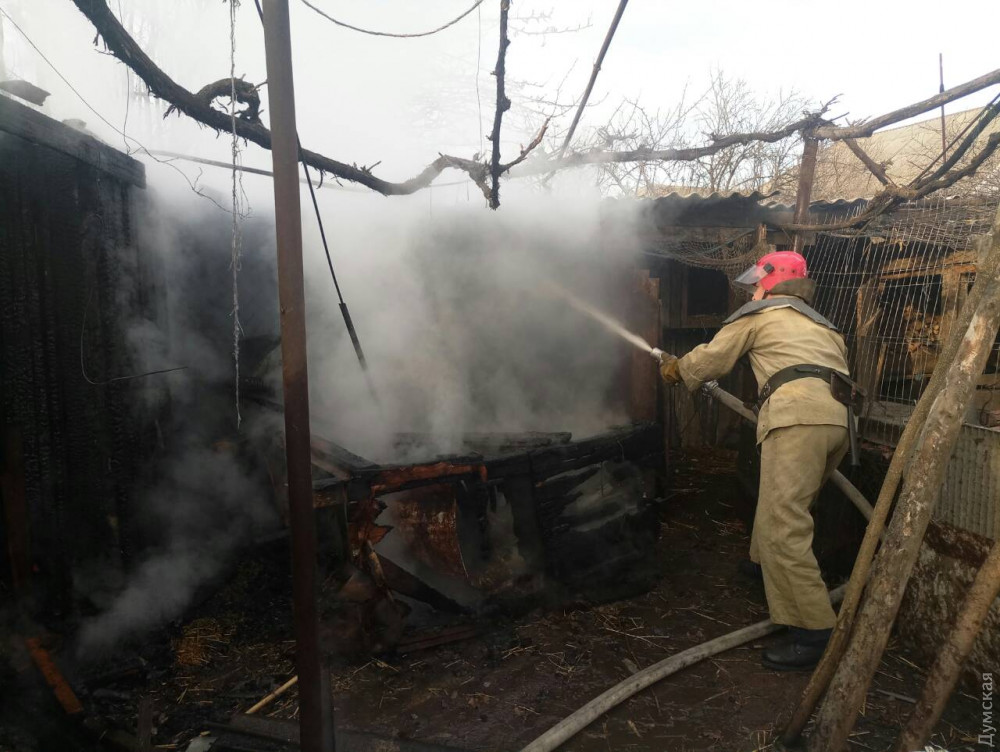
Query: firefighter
point(801, 432)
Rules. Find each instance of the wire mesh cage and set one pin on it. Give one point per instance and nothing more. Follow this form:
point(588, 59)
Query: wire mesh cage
point(894, 289)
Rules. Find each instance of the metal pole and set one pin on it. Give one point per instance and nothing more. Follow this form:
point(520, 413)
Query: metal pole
point(315, 708)
point(944, 138)
point(807, 174)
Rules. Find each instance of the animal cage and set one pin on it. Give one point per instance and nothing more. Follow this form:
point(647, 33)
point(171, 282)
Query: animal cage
point(894, 288)
point(895, 293)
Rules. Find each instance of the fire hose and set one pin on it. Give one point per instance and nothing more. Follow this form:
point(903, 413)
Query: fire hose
point(573, 724)
point(556, 736)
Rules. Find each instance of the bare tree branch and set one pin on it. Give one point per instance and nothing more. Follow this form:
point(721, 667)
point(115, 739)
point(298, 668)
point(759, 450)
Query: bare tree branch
point(503, 104)
point(987, 116)
point(487, 176)
point(873, 167)
point(125, 48)
point(893, 196)
point(526, 150)
point(867, 128)
point(928, 186)
point(676, 155)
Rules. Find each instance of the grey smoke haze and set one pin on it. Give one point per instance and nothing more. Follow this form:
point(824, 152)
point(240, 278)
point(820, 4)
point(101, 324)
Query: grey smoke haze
point(204, 505)
point(202, 501)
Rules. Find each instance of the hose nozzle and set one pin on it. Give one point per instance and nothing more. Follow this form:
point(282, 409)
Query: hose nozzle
point(656, 354)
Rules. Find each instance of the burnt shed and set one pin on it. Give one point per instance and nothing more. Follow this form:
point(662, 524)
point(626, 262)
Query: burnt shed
point(73, 285)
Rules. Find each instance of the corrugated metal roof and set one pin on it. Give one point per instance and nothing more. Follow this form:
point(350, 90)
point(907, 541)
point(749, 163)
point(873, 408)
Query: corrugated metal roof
point(738, 210)
point(735, 210)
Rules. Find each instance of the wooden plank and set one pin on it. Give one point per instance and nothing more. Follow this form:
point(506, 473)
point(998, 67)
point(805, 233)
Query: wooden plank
point(144, 726)
point(519, 492)
point(30, 125)
point(867, 314)
point(335, 459)
point(644, 319)
point(53, 677)
point(914, 265)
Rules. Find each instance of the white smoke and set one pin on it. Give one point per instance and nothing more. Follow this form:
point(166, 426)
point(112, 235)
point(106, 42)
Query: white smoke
point(458, 327)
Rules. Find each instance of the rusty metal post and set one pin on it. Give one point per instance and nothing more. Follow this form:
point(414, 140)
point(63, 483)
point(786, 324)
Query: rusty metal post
point(807, 174)
point(315, 708)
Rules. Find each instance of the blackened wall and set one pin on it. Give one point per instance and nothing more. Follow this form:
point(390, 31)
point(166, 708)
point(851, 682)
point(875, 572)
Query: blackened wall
point(72, 283)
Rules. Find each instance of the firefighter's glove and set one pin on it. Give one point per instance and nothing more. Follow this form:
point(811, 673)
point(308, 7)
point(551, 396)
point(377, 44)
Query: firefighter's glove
point(669, 369)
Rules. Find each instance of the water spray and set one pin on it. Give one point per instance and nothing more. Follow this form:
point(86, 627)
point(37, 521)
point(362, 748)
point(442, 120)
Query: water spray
point(709, 388)
point(604, 320)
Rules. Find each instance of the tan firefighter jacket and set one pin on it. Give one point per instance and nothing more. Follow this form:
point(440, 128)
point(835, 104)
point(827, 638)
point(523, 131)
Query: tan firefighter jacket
point(773, 339)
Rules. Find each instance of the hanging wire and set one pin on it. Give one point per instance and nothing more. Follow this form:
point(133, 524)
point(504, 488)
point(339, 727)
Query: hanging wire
point(344, 310)
point(128, 90)
point(389, 34)
point(479, 101)
point(113, 379)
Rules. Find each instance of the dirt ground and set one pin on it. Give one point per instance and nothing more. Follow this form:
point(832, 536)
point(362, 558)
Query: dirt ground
point(522, 675)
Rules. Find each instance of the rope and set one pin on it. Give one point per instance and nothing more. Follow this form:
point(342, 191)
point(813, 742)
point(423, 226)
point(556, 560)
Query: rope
point(386, 33)
point(237, 183)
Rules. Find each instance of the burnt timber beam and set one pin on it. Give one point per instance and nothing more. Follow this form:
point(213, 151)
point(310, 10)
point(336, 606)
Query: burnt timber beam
point(636, 443)
point(334, 459)
point(389, 479)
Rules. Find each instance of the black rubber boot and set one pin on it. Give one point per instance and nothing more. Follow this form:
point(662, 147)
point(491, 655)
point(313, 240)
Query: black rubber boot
point(750, 569)
point(801, 652)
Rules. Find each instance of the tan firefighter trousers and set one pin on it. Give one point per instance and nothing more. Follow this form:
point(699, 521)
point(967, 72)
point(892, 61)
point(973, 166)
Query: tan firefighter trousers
point(795, 462)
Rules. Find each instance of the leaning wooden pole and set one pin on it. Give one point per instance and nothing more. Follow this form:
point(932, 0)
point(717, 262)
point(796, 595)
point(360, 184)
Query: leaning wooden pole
point(807, 176)
point(905, 534)
point(315, 709)
point(821, 677)
point(944, 675)
point(593, 77)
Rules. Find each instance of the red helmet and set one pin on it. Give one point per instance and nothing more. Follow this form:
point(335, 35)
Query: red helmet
point(773, 268)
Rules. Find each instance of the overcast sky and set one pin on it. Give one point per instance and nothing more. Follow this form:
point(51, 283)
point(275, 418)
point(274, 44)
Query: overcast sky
point(363, 99)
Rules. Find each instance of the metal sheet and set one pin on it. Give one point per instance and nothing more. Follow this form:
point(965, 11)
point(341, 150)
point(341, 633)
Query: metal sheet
point(427, 518)
point(970, 497)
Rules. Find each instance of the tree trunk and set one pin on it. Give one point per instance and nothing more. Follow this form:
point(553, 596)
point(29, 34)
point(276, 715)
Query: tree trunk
point(906, 531)
point(943, 676)
point(821, 677)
